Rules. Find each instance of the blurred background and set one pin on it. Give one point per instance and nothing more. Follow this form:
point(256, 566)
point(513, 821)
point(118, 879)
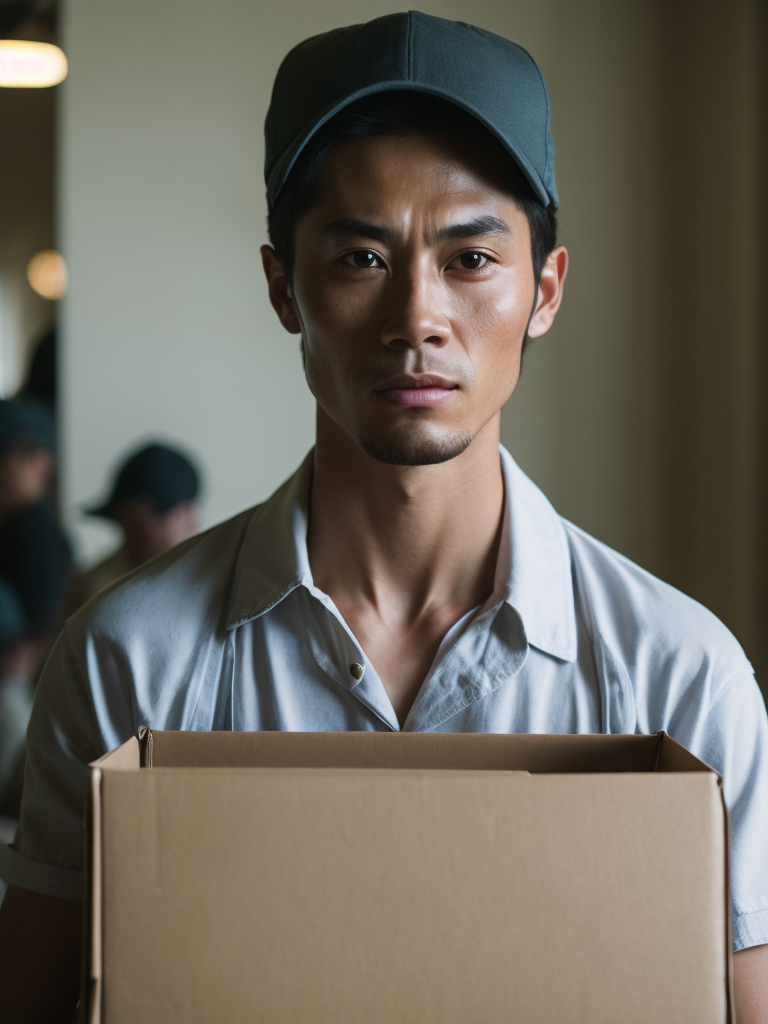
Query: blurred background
point(641, 414)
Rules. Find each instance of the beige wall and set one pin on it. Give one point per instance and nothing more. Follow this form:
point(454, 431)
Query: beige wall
point(710, 456)
point(168, 329)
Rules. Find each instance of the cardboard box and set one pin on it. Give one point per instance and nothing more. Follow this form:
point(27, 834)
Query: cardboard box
point(372, 878)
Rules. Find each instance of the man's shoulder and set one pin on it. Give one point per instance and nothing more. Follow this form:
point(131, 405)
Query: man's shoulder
point(192, 581)
point(653, 627)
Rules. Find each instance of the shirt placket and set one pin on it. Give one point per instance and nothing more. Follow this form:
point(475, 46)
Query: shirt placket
point(485, 657)
point(338, 653)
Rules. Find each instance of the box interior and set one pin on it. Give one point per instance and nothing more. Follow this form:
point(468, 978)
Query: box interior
point(448, 751)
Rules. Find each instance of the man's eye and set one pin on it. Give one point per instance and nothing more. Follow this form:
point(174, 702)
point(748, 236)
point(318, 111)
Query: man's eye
point(363, 259)
point(472, 260)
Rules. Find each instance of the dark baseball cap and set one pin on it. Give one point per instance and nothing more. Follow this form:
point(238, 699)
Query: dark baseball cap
point(156, 473)
point(486, 75)
point(25, 424)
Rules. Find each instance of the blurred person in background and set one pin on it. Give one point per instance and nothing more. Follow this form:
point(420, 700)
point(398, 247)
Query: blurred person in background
point(35, 556)
point(18, 667)
point(41, 382)
point(17, 661)
point(154, 500)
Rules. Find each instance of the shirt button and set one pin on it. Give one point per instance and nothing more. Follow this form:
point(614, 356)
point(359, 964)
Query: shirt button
point(356, 670)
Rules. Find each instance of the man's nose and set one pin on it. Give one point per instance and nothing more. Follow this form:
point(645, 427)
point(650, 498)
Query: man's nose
point(416, 308)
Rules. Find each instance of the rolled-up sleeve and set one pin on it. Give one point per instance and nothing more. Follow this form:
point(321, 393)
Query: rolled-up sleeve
point(63, 738)
point(735, 743)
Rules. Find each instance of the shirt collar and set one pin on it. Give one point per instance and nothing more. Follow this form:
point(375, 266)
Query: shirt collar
point(273, 559)
point(533, 572)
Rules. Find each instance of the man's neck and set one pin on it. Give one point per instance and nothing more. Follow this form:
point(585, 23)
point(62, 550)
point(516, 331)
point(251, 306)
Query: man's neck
point(404, 552)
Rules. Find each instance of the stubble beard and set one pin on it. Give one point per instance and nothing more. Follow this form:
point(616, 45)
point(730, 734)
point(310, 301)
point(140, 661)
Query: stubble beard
point(404, 448)
point(408, 450)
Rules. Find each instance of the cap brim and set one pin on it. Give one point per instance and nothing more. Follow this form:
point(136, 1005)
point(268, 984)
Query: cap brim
point(287, 159)
point(105, 511)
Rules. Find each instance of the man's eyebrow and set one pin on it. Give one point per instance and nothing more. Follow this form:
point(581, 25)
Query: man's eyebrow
point(352, 227)
point(486, 225)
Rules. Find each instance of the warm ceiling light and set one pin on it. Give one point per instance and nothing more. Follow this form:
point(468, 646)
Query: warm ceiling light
point(47, 274)
point(28, 65)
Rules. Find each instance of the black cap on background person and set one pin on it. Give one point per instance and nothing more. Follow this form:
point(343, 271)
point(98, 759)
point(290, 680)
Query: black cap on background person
point(27, 452)
point(157, 474)
point(26, 424)
point(154, 499)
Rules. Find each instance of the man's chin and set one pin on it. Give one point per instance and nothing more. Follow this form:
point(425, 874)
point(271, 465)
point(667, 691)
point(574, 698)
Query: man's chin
point(411, 450)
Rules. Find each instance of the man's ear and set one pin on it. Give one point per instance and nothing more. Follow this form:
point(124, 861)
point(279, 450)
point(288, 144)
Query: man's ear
point(279, 290)
point(550, 293)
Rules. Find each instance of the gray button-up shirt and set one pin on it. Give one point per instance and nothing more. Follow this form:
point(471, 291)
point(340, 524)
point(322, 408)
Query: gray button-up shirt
point(228, 631)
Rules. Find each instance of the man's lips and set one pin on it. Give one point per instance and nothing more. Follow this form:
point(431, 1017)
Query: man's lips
point(423, 389)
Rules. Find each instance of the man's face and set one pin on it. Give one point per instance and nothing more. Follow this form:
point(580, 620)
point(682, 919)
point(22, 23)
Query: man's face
point(149, 532)
point(413, 286)
point(24, 477)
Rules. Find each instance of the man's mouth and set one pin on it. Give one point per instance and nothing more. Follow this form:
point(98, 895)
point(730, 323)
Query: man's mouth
point(416, 389)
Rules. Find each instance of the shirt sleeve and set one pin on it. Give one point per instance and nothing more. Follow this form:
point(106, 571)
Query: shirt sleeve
point(63, 738)
point(734, 741)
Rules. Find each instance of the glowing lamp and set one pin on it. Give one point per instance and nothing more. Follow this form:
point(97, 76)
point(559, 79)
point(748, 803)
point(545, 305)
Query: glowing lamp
point(47, 274)
point(28, 65)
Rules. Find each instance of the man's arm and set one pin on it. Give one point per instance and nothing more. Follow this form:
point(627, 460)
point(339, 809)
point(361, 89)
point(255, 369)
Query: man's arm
point(750, 985)
point(40, 950)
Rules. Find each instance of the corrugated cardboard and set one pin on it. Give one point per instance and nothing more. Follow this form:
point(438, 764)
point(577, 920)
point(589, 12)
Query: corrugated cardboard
point(371, 878)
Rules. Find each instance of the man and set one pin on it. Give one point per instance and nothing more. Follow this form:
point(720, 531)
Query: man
point(409, 576)
point(154, 501)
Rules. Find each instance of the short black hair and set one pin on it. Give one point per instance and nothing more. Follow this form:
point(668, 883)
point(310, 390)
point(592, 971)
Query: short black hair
point(399, 113)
